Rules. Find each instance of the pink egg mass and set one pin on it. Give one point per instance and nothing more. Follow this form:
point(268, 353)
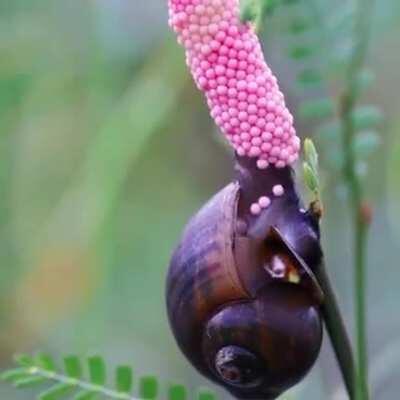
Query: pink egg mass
point(227, 64)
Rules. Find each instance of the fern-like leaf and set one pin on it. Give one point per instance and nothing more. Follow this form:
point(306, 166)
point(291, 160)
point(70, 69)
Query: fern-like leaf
point(71, 382)
point(323, 44)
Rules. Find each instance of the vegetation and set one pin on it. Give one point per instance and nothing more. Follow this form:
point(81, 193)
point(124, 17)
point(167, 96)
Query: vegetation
point(96, 184)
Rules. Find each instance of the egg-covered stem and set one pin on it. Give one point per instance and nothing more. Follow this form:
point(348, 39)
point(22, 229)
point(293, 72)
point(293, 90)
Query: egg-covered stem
point(269, 199)
point(227, 63)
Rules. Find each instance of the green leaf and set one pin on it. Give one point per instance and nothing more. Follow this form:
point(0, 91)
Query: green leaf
point(13, 374)
point(309, 77)
point(311, 154)
point(123, 379)
point(29, 381)
point(366, 143)
point(269, 6)
point(367, 117)
point(24, 360)
point(97, 370)
point(205, 394)
point(249, 10)
point(310, 178)
point(299, 25)
point(321, 108)
point(85, 395)
point(45, 362)
point(177, 392)
point(91, 389)
point(73, 367)
point(301, 52)
point(148, 387)
point(56, 391)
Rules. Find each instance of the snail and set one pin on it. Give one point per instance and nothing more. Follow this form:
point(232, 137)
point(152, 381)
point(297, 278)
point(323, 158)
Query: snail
point(242, 298)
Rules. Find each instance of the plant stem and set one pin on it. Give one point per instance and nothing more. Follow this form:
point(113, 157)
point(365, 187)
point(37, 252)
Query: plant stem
point(337, 331)
point(360, 240)
point(364, 12)
point(360, 301)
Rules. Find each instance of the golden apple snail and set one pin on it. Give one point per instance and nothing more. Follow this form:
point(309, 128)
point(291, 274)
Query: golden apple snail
point(242, 298)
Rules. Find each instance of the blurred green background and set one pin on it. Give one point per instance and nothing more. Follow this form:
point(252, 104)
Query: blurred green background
point(106, 149)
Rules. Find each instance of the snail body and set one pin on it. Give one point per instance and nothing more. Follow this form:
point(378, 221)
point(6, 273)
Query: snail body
point(242, 299)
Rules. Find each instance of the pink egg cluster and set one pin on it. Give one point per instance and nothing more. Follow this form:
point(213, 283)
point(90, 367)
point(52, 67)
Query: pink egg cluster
point(227, 63)
point(264, 201)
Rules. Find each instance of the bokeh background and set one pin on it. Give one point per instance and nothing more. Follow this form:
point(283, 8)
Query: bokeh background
point(106, 149)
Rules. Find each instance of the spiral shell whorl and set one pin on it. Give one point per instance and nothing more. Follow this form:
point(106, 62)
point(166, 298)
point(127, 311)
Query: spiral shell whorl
point(202, 274)
point(281, 328)
point(227, 63)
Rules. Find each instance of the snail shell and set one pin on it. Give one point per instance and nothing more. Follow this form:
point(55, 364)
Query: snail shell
point(244, 307)
point(202, 275)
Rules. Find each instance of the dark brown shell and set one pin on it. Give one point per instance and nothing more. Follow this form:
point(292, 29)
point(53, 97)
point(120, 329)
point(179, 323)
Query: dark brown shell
point(202, 276)
point(282, 327)
point(219, 293)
